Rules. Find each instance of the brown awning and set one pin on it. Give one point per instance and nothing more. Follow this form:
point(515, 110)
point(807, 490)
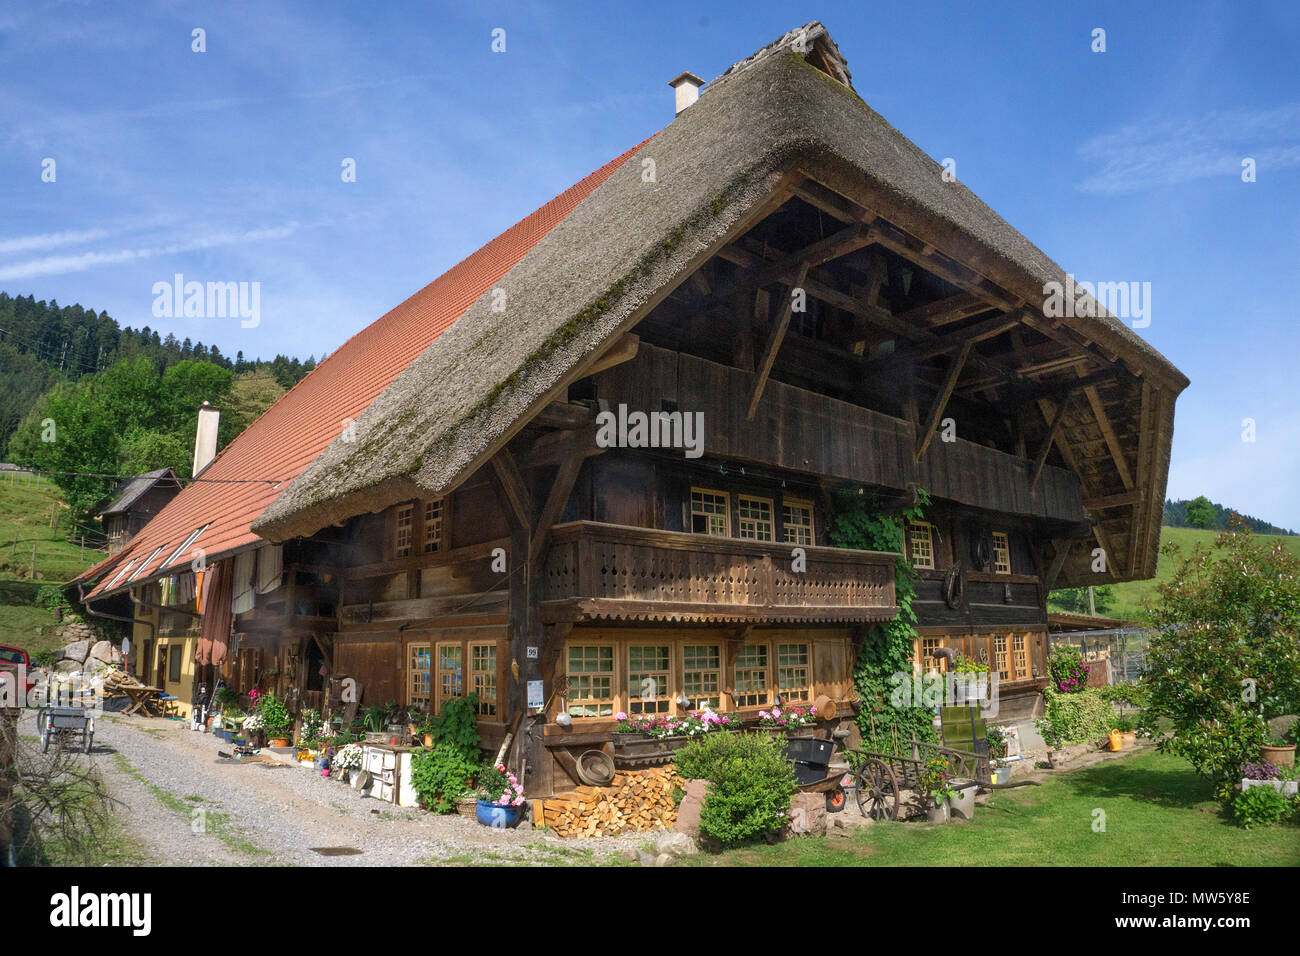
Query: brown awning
point(214, 633)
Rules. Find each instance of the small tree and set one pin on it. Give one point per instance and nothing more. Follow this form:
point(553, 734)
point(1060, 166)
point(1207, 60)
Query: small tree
point(1226, 655)
point(1201, 513)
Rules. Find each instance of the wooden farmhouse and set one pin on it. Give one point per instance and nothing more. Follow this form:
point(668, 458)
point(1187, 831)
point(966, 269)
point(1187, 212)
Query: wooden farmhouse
point(571, 474)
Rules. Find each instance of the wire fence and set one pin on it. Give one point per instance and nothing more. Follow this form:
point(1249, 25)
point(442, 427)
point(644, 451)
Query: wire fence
point(1119, 654)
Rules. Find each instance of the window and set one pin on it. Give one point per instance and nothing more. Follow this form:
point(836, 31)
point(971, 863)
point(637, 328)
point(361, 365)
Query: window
point(129, 565)
point(402, 531)
point(926, 662)
point(183, 547)
point(483, 677)
point(591, 680)
point(793, 675)
point(702, 675)
point(418, 681)
point(754, 517)
point(709, 512)
point(147, 561)
point(1001, 553)
point(1020, 655)
point(648, 679)
point(174, 654)
point(1001, 659)
point(433, 526)
point(797, 521)
point(752, 675)
point(921, 536)
point(451, 673)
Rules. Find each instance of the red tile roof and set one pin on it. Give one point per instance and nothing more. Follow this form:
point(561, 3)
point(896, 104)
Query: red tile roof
point(293, 431)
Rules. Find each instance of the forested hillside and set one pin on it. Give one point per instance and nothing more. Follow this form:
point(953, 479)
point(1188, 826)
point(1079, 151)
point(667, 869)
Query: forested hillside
point(1211, 516)
point(43, 344)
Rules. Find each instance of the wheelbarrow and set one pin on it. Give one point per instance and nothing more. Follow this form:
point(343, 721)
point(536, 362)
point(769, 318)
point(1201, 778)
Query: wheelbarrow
point(811, 757)
point(65, 723)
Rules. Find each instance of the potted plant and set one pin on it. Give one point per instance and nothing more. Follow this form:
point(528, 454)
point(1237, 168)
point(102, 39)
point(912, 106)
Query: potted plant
point(1127, 728)
point(1279, 752)
point(346, 760)
point(970, 680)
point(275, 719)
point(500, 798)
point(255, 728)
point(793, 720)
point(932, 784)
point(1056, 755)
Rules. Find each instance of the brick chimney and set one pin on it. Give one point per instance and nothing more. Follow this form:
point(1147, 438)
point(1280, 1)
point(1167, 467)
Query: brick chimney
point(205, 437)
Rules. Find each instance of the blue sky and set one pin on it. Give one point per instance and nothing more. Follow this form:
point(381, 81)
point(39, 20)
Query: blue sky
point(225, 165)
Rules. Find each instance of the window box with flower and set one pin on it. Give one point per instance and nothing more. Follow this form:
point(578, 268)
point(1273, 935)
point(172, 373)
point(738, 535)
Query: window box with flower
point(793, 721)
point(641, 739)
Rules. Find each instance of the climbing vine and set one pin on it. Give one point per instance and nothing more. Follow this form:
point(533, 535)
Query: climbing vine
point(861, 524)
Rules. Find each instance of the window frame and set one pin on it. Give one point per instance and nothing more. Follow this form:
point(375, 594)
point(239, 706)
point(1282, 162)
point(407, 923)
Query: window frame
point(615, 682)
point(413, 672)
point(175, 662)
point(436, 671)
point(440, 545)
point(709, 516)
point(397, 549)
point(770, 521)
point(741, 698)
point(718, 696)
point(912, 527)
point(665, 700)
point(805, 691)
point(476, 673)
point(803, 504)
point(1000, 567)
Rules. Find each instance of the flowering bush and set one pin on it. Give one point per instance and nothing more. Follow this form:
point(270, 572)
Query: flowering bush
point(347, 757)
point(498, 785)
point(253, 695)
point(1068, 672)
point(661, 725)
point(312, 728)
point(787, 717)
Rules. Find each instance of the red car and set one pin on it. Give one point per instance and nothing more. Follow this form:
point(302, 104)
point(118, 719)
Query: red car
point(14, 661)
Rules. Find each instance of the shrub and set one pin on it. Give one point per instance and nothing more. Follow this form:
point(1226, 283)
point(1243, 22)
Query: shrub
point(1076, 717)
point(751, 784)
point(45, 659)
point(1068, 672)
point(1259, 806)
point(49, 596)
point(441, 774)
point(1226, 653)
point(275, 716)
point(457, 726)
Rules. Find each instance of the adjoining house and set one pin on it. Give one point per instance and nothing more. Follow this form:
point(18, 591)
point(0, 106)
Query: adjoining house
point(134, 504)
point(463, 497)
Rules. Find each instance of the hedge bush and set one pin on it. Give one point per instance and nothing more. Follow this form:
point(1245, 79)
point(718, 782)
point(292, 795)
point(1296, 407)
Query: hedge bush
point(1078, 717)
point(751, 784)
point(441, 774)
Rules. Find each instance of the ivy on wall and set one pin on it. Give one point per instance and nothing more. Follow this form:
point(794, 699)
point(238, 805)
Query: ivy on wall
point(859, 523)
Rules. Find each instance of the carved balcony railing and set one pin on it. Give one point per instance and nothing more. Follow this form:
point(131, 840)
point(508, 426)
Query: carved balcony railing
point(613, 572)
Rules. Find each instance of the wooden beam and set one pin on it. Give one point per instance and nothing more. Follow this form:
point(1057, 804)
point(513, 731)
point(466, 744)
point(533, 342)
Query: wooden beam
point(1137, 536)
point(563, 415)
point(513, 488)
point(941, 400)
point(1041, 458)
point(774, 343)
point(1131, 497)
point(624, 350)
point(943, 311)
point(554, 506)
point(1058, 561)
point(1108, 433)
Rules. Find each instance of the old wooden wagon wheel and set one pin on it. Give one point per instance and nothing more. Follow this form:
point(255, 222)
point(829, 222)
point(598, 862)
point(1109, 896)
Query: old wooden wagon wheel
point(877, 790)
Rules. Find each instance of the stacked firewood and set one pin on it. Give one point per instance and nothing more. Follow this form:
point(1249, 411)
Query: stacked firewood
point(638, 800)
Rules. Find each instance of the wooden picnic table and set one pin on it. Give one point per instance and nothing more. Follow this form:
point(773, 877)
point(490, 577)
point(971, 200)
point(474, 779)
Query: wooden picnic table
point(143, 700)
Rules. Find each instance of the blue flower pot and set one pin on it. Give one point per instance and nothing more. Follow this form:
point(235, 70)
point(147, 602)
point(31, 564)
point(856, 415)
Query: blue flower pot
point(495, 815)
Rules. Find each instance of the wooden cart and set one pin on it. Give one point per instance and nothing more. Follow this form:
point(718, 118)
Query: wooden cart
point(880, 778)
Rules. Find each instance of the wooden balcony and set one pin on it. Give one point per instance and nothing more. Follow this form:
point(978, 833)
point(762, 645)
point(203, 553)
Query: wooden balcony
point(607, 572)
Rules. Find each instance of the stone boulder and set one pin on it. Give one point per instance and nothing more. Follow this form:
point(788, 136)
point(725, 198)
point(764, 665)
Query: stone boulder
point(68, 667)
point(77, 651)
point(688, 812)
point(675, 844)
point(106, 652)
point(807, 815)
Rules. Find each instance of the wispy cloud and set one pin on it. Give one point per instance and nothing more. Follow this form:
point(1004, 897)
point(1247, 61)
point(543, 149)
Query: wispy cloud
point(1171, 152)
point(51, 240)
point(62, 265)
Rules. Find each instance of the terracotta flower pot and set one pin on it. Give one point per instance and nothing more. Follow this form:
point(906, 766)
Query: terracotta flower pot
point(1279, 756)
point(279, 742)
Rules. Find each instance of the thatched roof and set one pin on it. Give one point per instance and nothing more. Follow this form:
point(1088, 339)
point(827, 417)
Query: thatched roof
point(627, 243)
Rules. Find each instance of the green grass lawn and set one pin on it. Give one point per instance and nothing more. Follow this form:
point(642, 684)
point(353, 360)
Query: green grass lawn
point(1133, 597)
point(26, 514)
point(1158, 812)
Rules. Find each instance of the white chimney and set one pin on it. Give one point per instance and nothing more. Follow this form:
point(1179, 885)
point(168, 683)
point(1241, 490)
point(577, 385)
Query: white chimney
point(687, 87)
point(205, 437)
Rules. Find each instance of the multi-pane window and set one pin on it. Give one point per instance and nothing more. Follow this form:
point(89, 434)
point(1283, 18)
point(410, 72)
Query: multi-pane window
point(1001, 553)
point(648, 679)
point(793, 675)
point(754, 518)
point(797, 521)
point(1001, 659)
point(483, 677)
point(1020, 655)
point(702, 675)
point(921, 536)
point(418, 681)
point(402, 534)
point(174, 663)
point(926, 661)
point(451, 672)
point(752, 675)
point(591, 680)
point(709, 512)
point(433, 526)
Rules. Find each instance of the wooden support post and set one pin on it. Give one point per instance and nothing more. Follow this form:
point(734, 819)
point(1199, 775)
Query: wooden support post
point(1062, 546)
point(941, 400)
point(1041, 458)
point(774, 342)
point(565, 477)
point(513, 487)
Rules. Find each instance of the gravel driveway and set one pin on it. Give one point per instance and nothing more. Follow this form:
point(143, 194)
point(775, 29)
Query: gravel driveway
point(187, 806)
